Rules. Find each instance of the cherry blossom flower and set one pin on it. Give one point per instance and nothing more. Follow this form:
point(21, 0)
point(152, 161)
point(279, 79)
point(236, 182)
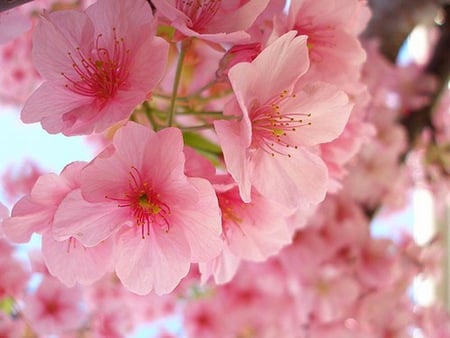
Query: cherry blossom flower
point(34, 212)
point(54, 308)
point(13, 274)
point(137, 190)
point(280, 119)
point(11, 328)
point(334, 49)
point(212, 20)
point(66, 259)
point(20, 181)
point(252, 231)
point(98, 66)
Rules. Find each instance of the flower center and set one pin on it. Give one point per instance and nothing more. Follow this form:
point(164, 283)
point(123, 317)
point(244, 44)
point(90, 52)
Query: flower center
point(145, 204)
point(200, 12)
point(272, 124)
point(232, 208)
point(103, 72)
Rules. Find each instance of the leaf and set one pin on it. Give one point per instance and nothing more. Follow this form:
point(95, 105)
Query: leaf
point(201, 143)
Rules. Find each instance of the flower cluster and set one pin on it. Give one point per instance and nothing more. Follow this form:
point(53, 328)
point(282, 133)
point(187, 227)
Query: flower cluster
point(239, 169)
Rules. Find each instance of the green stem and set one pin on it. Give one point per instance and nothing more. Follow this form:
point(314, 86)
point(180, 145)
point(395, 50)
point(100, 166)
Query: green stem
point(201, 127)
point(187, 97)
point(148, 113)
point(201, 113)
point(176, 82)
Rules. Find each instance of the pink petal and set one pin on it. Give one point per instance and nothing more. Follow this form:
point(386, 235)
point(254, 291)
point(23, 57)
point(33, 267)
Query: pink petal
point(239, 19)
point(90, 223)
point(58, 34)
point(201, 223)
point(222, 268)
point(157, 262)
point(73, 263)
point(287, 59)
point(263, 231)
point(27, 217)
point(51, 100)
point(234, 148)
point(329, 108)
point(107, 14)
point(299, 180)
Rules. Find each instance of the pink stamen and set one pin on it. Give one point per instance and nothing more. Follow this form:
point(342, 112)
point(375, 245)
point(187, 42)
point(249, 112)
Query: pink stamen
point(145, 204)
point(201, 12)
point(101, 74)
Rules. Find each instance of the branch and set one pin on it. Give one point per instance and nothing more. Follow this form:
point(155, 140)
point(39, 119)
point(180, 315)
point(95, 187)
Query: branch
point(8, 4)
point(393, 20)
point(439, 67)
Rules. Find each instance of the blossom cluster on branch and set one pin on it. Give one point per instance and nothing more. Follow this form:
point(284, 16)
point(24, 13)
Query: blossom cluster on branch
point(243, 148)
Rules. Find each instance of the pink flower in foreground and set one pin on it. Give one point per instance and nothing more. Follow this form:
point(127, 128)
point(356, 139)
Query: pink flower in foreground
point(98, 66)
point(279, 119)
point(12, 24)
point(54, 308)
point(213, 20)
point(162, 220)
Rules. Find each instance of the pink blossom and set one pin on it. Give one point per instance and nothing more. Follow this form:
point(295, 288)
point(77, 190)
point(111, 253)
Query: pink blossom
point(34, 212)
point(20, 181)
point(98, 66)
point(12, 24)
point(212, 20)
point(252, 231)
point(66, 259)
point(278, 123)
point(54, 308)
point(137, 190)
point(71, 262)
point(335, 51)
point(13, 275)
point(18, 78)
point(11, 328)
point(235, 55)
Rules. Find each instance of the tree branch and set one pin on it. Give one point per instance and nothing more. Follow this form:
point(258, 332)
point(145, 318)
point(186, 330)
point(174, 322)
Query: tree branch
point(8, 4)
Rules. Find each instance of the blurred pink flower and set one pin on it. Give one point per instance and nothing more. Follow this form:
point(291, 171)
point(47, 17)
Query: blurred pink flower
point(98, 66)
point(20, 181)
point(12, 24)
point(53, 308)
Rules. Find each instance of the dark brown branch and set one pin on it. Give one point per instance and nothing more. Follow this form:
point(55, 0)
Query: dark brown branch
point(8, 4)
point(439, 67)
point(393, 20)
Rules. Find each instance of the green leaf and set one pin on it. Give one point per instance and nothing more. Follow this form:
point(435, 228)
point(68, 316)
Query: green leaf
point(201, 143)
point(7, 305)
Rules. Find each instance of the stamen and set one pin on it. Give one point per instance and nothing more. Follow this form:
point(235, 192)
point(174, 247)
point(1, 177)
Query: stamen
point(146, 206)
point(201, 12)
point(102, 73)
point(271, 125)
